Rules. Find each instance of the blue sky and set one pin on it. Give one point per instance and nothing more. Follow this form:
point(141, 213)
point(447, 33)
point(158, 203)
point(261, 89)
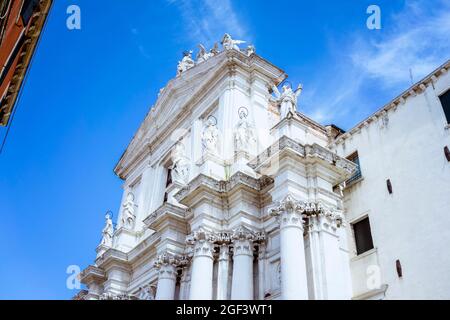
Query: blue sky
point(89, 89)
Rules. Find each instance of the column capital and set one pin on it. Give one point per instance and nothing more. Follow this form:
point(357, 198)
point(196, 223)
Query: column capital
point(201, 243)
point(224, 252)
point(290, 212)
point(329, 222)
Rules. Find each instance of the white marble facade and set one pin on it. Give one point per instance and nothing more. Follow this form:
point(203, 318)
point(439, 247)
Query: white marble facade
point(230, 193)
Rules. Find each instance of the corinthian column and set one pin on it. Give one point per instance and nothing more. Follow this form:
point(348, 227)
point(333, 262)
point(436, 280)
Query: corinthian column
point(293, 266)
point(242, 283)
point(167, 277)
point(202, 266)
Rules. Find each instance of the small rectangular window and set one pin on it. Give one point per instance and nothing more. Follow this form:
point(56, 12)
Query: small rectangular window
point(445, 102)
point(354, 157)
point(363, 236)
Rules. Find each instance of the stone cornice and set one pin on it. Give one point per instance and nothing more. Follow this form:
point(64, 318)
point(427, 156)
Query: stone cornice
point(169, 209)
point(81, 295)
point(238, 179)
point(92, 274)
point(113, 257)
point(412, 91)
point(304, 151)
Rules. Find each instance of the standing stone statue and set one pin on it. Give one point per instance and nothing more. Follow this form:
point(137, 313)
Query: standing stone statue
point(107, 232)
point(186, 63)
point(128, 212)
point(210, 136)
point(181, 164)
point(250, 50)
point(244, 137)
point(228, 43)
point(204, 55)
point(287, 99)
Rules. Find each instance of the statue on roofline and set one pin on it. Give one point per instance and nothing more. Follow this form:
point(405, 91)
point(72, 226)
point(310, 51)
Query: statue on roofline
point(228, 43)
point(186, 63)
point(287, 99)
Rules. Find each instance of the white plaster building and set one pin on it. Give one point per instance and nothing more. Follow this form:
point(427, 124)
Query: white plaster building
point(230, 193)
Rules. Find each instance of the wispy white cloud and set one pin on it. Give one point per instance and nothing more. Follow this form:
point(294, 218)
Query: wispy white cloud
point(416, 39)
point(206, 21)
point(420, 41)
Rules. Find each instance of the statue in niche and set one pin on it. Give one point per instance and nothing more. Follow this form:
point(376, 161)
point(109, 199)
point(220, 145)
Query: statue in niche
point(128, 212)
point(181, 164)
point(228, 43)
point(210, 136)
point(287, 99)
point(244, 137)
point(107, 232)
point(186, 63)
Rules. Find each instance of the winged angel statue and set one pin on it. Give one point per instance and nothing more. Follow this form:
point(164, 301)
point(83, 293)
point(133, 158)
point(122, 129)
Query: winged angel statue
point(287, 99)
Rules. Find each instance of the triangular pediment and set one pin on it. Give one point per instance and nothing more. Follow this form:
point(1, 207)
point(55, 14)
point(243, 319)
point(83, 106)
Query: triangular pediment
point(185, 91)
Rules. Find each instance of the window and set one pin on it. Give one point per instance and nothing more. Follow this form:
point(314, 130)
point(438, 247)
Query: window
point(27, 10)
point(354, 157)
point(4, 10)
point(168, 183)
point(445, 102)
point(363, 236)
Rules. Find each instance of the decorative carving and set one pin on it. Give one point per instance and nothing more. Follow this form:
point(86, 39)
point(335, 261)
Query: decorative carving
point(181, 164)
point(107, 232)
point(186, 63)
point(228, 43)
point(245, 134)
point(210, 136)
point(147, 292)
point(201, 243)
point(128, 212)
point(121, 296)
point(287, 99)
point(291, 212)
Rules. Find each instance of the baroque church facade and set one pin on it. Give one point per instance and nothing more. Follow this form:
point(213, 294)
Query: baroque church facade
point(231, 193)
